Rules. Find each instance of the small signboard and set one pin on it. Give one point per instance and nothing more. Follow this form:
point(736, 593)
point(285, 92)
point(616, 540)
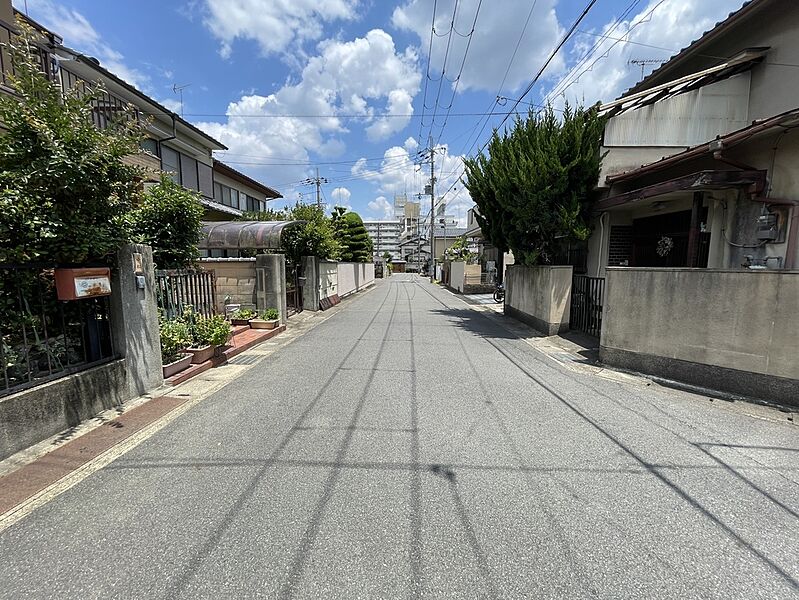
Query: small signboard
point(76, 284)
point(88, 287)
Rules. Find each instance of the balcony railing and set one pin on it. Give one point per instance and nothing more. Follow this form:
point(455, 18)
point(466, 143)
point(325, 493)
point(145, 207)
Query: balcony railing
point(7, 33)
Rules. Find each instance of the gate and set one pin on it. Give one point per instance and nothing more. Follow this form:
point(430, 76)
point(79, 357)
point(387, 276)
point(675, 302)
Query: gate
point(588, 295)
point(294, 282)
point(177, 289)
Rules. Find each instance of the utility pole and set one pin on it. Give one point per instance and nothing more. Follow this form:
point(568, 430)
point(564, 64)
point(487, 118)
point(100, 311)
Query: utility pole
point(317, 181)
point(432, 210)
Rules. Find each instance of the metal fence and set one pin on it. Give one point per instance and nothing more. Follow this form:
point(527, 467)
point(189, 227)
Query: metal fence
point(586, 304)
point(42, 338)
point(177, 289)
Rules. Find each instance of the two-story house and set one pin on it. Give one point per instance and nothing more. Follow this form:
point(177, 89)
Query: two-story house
point(173, 145)
point(701, 164)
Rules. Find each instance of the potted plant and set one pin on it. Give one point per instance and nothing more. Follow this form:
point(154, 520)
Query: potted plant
point(174, 340)
point(218, 332)
point(208, 335)
point(242, 316)
point(268, 319)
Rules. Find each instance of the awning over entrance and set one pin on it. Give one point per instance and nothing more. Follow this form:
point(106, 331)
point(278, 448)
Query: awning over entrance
point(237, 235)
point(696, 182)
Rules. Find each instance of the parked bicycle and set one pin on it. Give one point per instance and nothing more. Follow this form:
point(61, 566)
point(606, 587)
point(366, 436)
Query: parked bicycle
point(499, 293)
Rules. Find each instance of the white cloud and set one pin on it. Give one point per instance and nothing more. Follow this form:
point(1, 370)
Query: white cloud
point(275, 25)
point(78, 33)
point(499, 25)
point(397, 174)
point(381, 208)
point(352, 77)
point(341, 197)
point(671, 25)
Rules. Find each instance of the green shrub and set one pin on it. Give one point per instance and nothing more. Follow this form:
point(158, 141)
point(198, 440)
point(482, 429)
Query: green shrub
point(243, 313)
point(211, 330)
point(170, 220)
point(174, 339)
point(270, 314)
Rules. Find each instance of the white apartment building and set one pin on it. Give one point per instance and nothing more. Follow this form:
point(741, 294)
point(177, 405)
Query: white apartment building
point(385, 236)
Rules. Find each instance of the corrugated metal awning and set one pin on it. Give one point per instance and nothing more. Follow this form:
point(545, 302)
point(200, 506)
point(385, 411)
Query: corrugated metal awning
point(236, 235)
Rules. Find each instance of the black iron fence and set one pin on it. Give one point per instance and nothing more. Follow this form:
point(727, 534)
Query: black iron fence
point(588, 295)
point(294, 285)
point(42, 338)
point(177, 289)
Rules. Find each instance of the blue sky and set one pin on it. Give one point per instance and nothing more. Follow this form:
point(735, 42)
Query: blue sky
point(339, 85)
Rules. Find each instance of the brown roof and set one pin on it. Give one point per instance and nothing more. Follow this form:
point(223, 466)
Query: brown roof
point(229, 171)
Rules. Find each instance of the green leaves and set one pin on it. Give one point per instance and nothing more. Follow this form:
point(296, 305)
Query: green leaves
point(533, 186)
point(65, 185)
point(356, 245)
point(170, 220)
point(314, 237)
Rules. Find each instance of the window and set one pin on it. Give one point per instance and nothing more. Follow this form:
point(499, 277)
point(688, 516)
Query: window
point(170, 162)
point(150, 146)
point(218, 192)
point(225, 195)
point(234, 198)
point(206, 180)
point(253, 204)
point(188, 172)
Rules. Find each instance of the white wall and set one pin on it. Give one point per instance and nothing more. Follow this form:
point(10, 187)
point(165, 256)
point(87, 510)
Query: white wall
point(457, 275)
point(353, 277)
point(328, 279)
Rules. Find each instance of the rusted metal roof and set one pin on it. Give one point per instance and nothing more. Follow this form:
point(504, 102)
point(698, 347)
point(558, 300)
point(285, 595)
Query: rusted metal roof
point(236, 235)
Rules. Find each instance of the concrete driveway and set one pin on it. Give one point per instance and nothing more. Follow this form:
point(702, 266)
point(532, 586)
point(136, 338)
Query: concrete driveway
point(410, 446)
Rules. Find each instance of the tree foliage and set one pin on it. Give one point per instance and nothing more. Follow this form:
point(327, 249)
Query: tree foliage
point(269, 214)
point(533, 186)
point(356, 245)
point(170, 220)
point(314, 237)
point(64, 188)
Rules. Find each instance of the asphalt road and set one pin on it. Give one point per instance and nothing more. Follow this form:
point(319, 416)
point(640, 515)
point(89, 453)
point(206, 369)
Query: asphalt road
point(411, 447)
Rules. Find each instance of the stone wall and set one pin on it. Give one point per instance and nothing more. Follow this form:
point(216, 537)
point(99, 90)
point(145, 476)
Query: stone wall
point(734, 331)
point(539, 296)
point(236, 278)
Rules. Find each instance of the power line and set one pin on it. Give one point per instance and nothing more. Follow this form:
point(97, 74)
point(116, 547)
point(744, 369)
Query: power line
point(605, 54)
point(591, 51)
point(427, 75)
point(551, 57)
point(460, 73)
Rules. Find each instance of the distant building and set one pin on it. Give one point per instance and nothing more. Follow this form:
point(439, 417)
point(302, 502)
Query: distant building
point(385, 236)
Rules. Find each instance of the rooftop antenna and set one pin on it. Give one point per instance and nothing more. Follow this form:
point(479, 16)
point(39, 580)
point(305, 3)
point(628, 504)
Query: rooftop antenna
point(178, 89)
point(645, 61)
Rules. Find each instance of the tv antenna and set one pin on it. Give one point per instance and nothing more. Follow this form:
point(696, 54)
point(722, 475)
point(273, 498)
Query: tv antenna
point(178, 89)
point(642, 62)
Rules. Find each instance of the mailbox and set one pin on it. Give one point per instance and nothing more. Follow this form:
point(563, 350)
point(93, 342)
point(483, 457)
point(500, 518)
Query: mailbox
point(76, 284)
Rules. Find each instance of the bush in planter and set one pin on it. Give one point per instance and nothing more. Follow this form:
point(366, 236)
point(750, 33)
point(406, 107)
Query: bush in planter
point(270, 314)
point(212, 330)
point(242, 316)
point(175, 339)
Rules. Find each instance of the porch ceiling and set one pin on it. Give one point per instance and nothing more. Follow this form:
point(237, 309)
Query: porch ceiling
point(696, 182)
point(236, 235)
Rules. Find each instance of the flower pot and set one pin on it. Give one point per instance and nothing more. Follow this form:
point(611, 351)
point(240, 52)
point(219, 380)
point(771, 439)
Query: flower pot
point(263, 323)
point(200, 355)
point(239, 321)
point(177, 366)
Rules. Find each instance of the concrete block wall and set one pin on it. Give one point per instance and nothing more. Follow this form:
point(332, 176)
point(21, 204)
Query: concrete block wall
point(234, 277)
point(354, 277)
point(734, 331)
point(539, 296)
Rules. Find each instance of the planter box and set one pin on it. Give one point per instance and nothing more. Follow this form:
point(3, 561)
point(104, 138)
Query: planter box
point(240, 321)
point(177, 366)
point(200, 355)
point(263, 324)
